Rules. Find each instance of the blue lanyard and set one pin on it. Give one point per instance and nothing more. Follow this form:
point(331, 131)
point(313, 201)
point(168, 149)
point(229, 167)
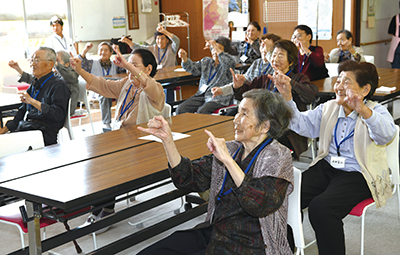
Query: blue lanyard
point(37, 93)
point(247, 48)
point(259, 69)
point(123, 109)
point(108, 71)
point(304, 60)
point(209, 75)
point(221, 193)
point(269, 84)
point(159, 61)
point(344, 139)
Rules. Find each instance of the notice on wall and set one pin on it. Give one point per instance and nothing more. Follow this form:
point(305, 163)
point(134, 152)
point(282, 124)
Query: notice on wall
point(215, 18)
point(119, 22)
point(318, 16)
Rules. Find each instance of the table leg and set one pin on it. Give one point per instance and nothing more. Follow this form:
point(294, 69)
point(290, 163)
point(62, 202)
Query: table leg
point(35, 242)
point(169, 95)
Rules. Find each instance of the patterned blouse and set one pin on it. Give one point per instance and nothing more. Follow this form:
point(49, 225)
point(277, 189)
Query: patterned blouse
point(252, 52)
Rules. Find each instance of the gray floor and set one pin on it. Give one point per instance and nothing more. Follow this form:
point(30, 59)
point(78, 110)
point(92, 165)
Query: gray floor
point(381, 233)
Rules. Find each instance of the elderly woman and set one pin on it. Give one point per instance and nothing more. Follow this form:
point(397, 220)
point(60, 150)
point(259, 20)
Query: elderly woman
point(311, 60)
point(140, 97)
point(164, 50)
point(284, 59)
point(346, 49)
point(101, 67)
point(351, 164)
point(249, 49)
point(214, 73)
point(249, 179)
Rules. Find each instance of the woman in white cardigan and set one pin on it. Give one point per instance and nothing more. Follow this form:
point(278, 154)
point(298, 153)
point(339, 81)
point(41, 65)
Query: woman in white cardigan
point(351, 165)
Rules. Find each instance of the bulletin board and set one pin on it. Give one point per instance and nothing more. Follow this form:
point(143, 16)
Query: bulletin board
point(95, 20)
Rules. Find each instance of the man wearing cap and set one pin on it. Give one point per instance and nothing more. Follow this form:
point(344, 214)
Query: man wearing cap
point(45, 101)
point(57, 41)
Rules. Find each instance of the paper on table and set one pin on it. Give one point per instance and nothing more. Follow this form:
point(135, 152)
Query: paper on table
point(175, 135)
point(384, 89)
point(179, 70)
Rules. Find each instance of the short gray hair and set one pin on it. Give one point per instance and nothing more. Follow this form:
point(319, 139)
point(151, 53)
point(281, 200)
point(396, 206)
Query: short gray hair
point(50, 54)
point(64, 56)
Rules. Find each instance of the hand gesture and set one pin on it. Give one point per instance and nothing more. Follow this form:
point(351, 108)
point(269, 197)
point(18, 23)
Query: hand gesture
point(26, 98)
point(326, 56)
point(238, 79)
point(182, 54)
point(14, 65)
point(88, 46)
point(282, 83)
point(127, 40)
point(160, 29)
point(354, 100)
point(217, 91)
point(76, 63)
point(119, 60)
point(347, 45)
point(217, 147)
point(158, 127)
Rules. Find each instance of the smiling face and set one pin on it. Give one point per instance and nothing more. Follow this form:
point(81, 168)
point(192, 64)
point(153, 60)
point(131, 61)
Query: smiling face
point(40, 65)
point(214, 53)
point(342, 41)
point(161, 41)
point(345, 82)
point(252, 32)
point(280, 60)
point(104, 53)
point(301, 36)
point(137, 61)
point(246, 130)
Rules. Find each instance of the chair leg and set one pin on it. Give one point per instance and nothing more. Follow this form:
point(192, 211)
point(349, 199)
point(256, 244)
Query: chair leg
point(362, 234)
point(94, 240)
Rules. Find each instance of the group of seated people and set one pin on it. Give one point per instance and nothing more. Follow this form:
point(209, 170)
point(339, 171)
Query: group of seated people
point(250, 178)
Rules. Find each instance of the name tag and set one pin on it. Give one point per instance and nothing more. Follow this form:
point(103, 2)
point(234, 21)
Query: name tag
point(203, 88)
point(159, 67)
point(116, 125)
point(338, 162)
point(243, 58)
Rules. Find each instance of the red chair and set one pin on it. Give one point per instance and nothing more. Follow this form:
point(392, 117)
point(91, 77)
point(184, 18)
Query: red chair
point(10, 214)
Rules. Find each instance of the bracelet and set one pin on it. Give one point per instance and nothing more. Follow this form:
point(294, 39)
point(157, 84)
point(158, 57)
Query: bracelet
point(137, 76)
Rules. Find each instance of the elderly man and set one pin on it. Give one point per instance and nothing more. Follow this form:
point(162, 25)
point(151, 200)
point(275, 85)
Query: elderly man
point(57, 41)
point(45, 101)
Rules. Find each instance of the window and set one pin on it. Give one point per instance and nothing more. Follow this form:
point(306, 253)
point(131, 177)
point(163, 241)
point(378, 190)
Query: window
point(24, 25)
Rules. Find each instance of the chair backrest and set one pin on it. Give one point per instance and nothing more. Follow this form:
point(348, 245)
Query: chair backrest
point(67, 122)
point(369, 58)
point(82, 95)
point(332, 69)
point(392, 150)
point(294, 211)
point(20, 142)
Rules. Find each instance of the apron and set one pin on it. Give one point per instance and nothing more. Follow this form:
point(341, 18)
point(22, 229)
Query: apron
point(395, 41)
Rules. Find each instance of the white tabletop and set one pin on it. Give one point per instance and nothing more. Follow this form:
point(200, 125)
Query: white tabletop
point(9, 99)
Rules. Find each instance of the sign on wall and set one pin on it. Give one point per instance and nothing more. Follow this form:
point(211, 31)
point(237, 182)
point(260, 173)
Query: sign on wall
point(215, 18)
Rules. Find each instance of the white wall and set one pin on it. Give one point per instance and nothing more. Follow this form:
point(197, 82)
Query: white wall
point(147, 26)
point(384, 11)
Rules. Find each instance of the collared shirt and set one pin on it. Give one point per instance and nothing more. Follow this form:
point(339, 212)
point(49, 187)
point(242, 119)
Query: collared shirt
point(308, 124)
point(57, 43)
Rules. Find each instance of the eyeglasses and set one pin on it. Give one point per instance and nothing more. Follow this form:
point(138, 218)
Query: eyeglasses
point(298, 36)
point(36, 60)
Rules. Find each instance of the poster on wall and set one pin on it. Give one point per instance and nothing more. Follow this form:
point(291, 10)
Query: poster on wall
point(215, 18)
point(238, 13)
point(310, 10)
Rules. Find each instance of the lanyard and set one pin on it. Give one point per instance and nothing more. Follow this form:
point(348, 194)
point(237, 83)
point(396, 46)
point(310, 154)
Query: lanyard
point(108, 71)
point(344, 139)
point(304, 60)
point(209, 75)
point(269, 84)
point(65, 48)
point(123, 109)
point(159, 60)
point(247, 48)
point(259, 69)
point(37, 93)
point(247, 168)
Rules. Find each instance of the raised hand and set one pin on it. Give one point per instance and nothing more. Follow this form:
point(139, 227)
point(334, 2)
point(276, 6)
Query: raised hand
point(182, 54)
point(14, 65)
point(217, 91)
point(88, 46)
point(282, 83)
point(119, 60)
point(127, 40)
point(217, 147)
point(158, 127)
point(76, 63)
point(238, 79)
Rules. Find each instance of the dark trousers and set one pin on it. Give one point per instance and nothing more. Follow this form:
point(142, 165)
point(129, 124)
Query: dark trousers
point(330, 194)
point(198, 104)
point(188, 242)
point(396, 59)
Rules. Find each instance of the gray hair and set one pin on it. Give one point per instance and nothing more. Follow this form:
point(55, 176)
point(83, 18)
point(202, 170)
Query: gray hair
point(270, 107)
point(50, 54)
point(64, 56)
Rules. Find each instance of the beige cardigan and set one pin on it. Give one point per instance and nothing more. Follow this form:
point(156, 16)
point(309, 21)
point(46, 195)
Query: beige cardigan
point(371, 157)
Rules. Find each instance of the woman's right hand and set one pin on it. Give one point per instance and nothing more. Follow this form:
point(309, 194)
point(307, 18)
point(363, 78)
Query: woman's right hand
point(182, 54)
point(158, 127)
point(76, 63)
point(238, 79)
point(126, 40)
point(217, 91)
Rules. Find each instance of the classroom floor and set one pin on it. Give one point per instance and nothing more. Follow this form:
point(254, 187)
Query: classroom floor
point(381, 233)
